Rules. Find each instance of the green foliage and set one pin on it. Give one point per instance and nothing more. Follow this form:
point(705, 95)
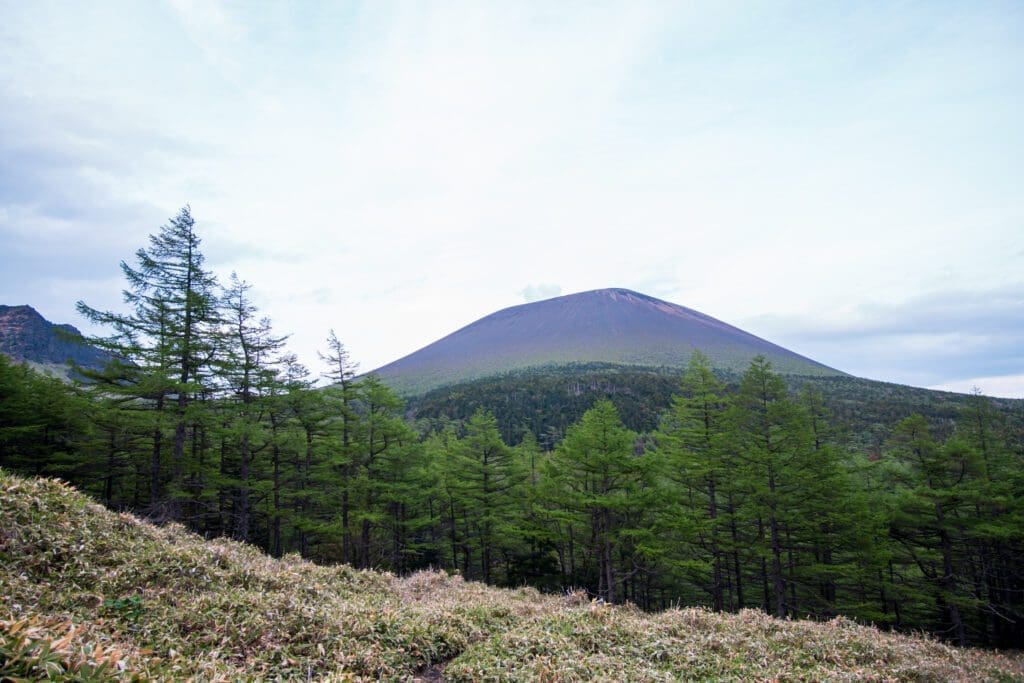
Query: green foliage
point(599, 488)
point(547, 402)
point(957, 526)
point(129, 608)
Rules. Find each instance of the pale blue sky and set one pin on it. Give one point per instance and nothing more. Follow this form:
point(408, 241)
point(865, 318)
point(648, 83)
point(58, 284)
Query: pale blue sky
point(842, 179)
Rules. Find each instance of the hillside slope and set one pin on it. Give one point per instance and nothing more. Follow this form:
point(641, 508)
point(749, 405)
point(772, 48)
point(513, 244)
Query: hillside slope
point(89, 594)
point(546, 402)
point(602, 326)
point(26, 336)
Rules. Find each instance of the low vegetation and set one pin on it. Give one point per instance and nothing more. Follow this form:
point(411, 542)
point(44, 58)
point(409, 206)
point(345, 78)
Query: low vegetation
point(89, 594)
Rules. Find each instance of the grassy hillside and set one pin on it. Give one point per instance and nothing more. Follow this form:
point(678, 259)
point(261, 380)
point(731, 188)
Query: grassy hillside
point(87, 594)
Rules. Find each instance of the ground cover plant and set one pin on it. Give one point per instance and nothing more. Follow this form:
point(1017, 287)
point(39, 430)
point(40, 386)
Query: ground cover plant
point(90, 594)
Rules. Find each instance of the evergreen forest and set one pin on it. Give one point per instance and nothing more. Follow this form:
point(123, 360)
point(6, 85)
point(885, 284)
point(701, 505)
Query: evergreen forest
point(740, 493)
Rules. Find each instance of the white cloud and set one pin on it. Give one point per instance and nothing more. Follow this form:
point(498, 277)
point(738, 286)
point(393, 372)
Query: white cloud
point(540, 291)
point(395, 171)
point(1004, 386)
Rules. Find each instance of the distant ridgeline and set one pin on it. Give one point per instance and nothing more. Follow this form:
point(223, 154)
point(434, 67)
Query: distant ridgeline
point(27, 337)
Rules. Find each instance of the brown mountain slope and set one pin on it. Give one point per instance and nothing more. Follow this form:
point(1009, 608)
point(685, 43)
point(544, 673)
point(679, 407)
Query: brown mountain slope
point(26, 336)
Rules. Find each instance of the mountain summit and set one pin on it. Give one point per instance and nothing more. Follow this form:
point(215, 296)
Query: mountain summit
point(616, 326)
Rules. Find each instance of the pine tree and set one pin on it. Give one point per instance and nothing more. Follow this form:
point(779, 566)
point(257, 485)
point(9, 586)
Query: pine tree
point(486, 482)
point(698, 467)
point(164, 345)
point(341, 395)
point(597, 480)
point(248, 372)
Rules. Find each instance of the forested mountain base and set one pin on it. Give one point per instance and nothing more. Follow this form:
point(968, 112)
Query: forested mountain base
point(546, 400)
point(88, 594)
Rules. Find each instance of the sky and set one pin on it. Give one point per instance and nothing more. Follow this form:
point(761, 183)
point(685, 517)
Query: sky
point(843, 179)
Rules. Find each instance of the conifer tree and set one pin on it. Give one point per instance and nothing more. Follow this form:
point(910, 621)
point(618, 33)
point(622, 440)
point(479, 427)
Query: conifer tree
point(248, 370)
point(486, 485)
point(929, 520)
point(596, 478)
point(40, 421)
point(774, 450)
point(698, 468)
point(997, 532)
point(440, 448)
point(341, 395)
point(162, 347)
point(298, 421)
point(398, 502)
point(381, 435)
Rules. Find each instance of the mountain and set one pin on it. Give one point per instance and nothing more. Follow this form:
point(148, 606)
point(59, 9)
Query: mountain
point(26, 336)
point(607, 326)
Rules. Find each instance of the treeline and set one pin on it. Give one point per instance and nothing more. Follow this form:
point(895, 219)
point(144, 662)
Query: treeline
point(738, 497)
point(546, 400)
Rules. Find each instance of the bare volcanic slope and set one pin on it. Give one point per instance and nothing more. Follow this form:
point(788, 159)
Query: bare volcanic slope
point(26, 336)
point(616, 326)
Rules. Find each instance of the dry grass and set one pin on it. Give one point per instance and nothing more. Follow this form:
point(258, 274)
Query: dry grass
point(86, 594)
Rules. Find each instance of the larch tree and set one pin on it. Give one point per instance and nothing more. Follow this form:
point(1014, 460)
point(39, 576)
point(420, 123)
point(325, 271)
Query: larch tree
point(341, 395)
point(598, 480)
point(248, 368)
point(774, 449)
point(487, 482)
point(698, 466)
point(164, 345)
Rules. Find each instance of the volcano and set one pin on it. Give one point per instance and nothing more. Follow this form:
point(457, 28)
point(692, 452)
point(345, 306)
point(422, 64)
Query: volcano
point(607, 326)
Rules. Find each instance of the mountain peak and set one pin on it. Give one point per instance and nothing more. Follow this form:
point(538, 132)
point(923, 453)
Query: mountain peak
point(613, 325)
point(25, 335)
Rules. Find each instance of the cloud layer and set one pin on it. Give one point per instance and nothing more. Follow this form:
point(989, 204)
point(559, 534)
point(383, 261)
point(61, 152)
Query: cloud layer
point(841, 179)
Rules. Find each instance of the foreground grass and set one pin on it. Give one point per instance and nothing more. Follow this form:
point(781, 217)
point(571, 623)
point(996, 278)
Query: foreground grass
point(87, 594)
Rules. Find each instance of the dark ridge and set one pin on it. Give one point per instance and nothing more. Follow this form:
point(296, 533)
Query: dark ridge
point(26, 336)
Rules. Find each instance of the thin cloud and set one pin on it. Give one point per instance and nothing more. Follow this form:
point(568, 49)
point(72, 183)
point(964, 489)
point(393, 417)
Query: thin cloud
point(538, 292)
point(414, 165)
point(926, 340)
point(1003, 386)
